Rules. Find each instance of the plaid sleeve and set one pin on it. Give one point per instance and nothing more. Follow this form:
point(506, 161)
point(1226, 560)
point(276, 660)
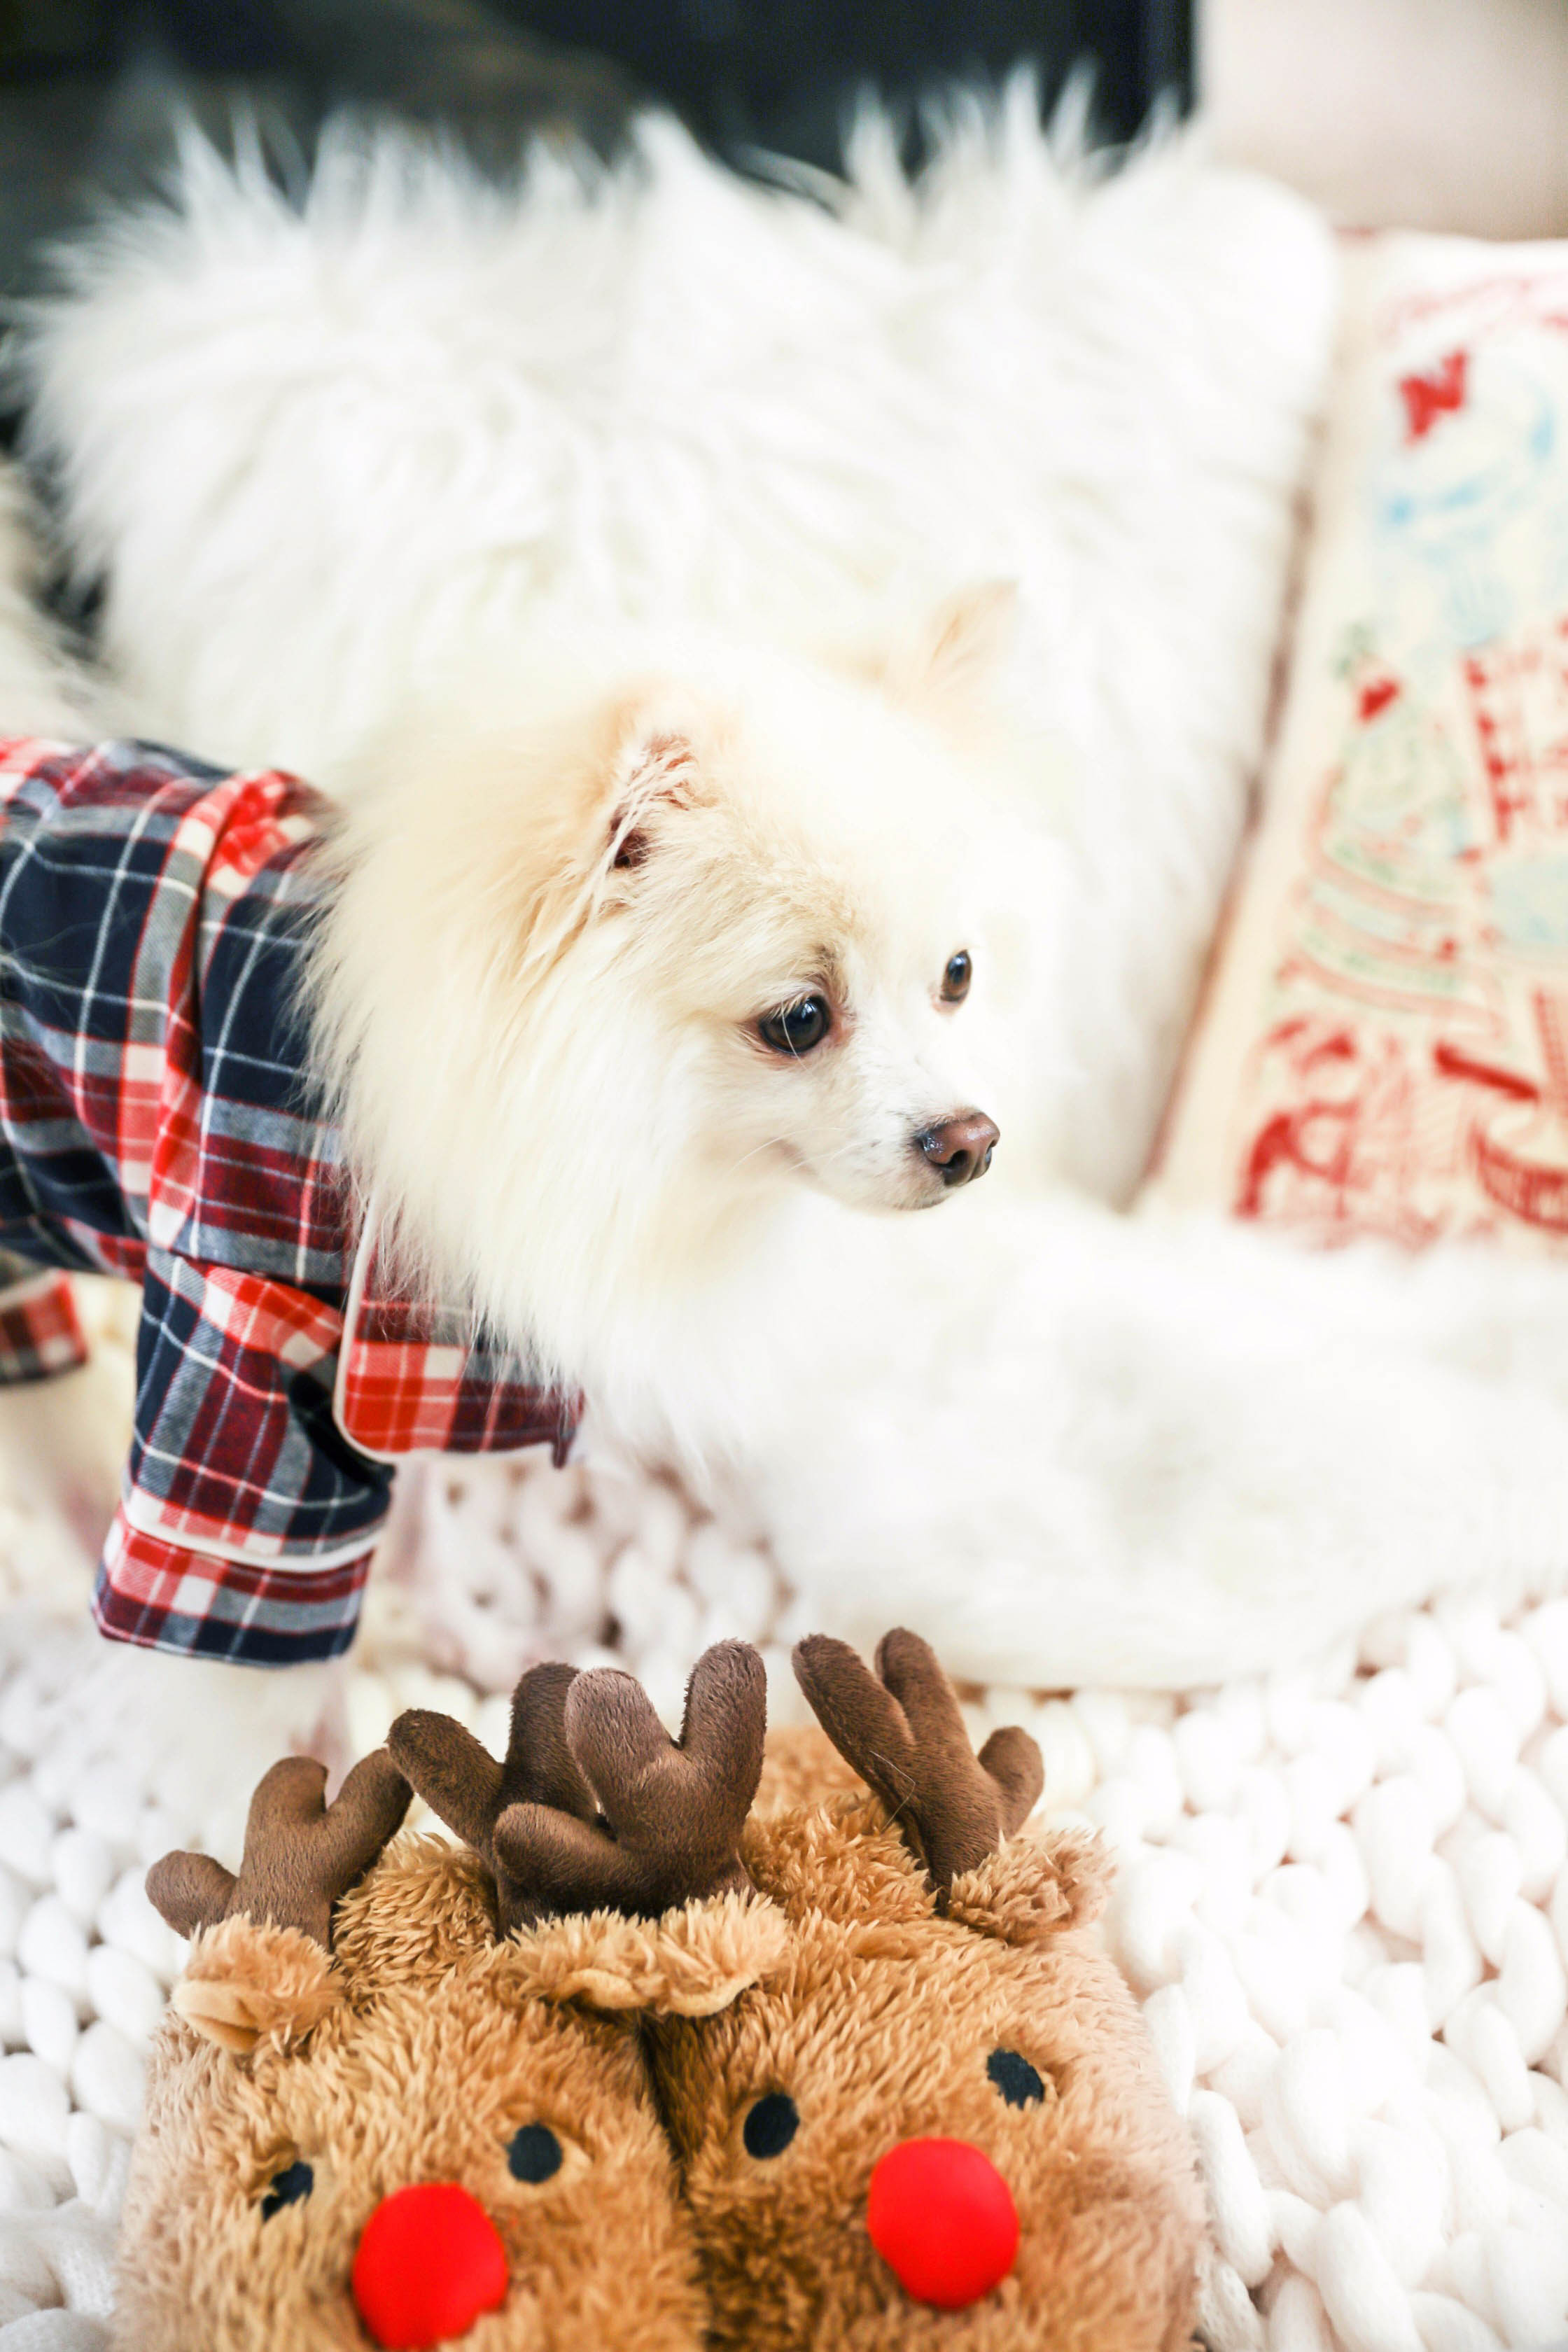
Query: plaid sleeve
point(247, 1519)
point(39, 1332)
point(164, 1596)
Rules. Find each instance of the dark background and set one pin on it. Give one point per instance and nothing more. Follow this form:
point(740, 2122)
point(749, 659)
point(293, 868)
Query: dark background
point(88, 87)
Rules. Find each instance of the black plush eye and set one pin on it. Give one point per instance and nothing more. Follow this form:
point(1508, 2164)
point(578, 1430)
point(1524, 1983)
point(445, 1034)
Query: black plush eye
point(795, 1028)
point(771, 2125)
point(287, 2187)
point(534, 2154)
point(1013, 2076)
point(956, 980)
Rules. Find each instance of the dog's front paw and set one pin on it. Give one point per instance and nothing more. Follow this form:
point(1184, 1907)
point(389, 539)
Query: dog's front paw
point(200, 1734)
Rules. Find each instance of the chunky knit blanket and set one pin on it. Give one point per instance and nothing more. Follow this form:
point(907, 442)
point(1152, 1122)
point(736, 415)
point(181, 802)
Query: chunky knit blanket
point(1343, 1897)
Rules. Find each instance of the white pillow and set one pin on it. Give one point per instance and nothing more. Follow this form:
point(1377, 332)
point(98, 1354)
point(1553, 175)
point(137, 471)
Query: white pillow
point(1386, 1047)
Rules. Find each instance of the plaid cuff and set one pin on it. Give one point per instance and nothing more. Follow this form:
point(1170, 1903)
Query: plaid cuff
point(414, 1377)
point(163, 1596)
point(39, 1333)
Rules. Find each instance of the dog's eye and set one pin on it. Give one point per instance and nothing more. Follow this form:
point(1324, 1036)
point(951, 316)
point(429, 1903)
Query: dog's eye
point(1017, 2081)
point(771, 2125)
point(287, 2187)
point(956, 980)
point(534, 2154)
point(795, 1028)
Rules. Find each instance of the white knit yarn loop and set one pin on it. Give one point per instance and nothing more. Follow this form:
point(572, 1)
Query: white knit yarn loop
point(1343, 1899)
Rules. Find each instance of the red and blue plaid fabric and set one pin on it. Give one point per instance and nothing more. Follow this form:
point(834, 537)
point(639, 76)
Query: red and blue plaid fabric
point(40, 1333)
point(157, 1121)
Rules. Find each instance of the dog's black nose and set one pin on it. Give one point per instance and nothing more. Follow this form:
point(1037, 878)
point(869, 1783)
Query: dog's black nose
point(959, 1149)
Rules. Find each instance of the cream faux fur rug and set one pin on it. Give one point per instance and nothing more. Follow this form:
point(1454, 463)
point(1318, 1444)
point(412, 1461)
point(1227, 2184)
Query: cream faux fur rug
point(314, 452)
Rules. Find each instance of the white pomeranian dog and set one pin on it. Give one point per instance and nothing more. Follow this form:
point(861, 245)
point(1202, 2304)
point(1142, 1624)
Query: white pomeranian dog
point(653, 985)
point(625, 959)
point(653, 995)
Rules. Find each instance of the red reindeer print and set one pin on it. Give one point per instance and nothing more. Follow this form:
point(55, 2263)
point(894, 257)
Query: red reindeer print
point(1438, 391)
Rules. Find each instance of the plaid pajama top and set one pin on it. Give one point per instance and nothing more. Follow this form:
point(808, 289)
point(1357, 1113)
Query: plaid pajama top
point(156, 1122)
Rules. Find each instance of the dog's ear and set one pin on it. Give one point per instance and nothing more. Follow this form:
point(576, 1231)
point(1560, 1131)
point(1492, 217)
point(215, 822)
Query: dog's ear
point(955, 655)
point(657, 768)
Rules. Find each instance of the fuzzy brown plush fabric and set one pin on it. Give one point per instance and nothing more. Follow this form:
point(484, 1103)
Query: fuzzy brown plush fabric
point(801, 1765)
point(977, 2008)
point(417, 2054)
point(690, 1963)
point(911, 2102)
point(890, 2024)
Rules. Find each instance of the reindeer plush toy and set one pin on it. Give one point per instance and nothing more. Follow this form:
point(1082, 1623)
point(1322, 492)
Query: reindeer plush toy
point(910, 2102)
point(390, 2105)
point(940, 2124)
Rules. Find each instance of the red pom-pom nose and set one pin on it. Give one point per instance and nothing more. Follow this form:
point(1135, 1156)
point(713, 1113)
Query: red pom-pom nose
point(941, 2215)
point(429, 2262)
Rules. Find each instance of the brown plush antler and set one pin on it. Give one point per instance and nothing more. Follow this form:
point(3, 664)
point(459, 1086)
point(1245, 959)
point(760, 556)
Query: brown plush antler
point(301, 1853)
point(902, 1731)
point(670, 1813)
point(461, 1779)
point(595, 1806)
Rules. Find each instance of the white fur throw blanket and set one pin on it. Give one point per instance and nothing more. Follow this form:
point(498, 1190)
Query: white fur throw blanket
point(314, 452)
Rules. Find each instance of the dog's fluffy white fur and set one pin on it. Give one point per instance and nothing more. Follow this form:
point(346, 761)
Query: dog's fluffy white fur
point(371, 483)
point(42, 690)
point(571, 899)
point(1084, 1447)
